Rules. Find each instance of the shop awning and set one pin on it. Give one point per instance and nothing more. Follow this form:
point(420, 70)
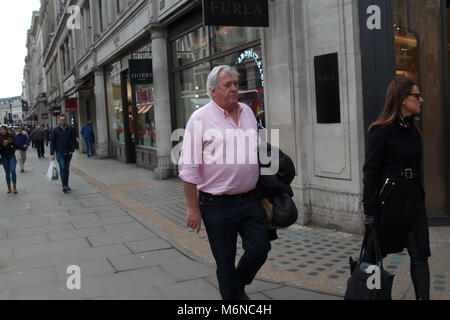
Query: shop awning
point(144, 109)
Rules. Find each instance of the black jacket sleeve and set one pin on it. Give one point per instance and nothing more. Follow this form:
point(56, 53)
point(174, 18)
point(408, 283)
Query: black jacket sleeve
point(373, 166)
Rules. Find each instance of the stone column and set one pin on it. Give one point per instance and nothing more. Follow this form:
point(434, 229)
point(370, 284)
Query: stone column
point(165, 169)
point(101, 112)
point(95, 22)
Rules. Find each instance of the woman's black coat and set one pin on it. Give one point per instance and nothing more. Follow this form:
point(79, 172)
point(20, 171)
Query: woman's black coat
point(400, 206)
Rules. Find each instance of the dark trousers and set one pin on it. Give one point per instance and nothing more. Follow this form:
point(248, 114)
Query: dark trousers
point(224, 219)
point(420, 271)
point(89, 147)
point(40, 148)
point(10, 170)
point(64, 167)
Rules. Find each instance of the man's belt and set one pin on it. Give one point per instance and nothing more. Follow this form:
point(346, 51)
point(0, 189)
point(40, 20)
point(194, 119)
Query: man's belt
point(224, 196)
point(408, 174)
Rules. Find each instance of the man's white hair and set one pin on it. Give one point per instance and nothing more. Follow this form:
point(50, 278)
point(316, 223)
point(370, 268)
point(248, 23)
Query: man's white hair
point(213, 77)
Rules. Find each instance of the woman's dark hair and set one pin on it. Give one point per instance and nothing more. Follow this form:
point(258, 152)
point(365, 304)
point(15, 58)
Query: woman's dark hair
point(398, 91)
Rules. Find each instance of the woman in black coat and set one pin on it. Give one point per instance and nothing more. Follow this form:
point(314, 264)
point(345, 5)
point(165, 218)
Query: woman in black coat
point(393, 196)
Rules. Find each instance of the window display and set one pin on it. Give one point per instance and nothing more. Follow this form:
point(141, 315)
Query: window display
point(146, 135)
point(114, 103)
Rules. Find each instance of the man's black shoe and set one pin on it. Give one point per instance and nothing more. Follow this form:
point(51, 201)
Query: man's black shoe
point(65, 190)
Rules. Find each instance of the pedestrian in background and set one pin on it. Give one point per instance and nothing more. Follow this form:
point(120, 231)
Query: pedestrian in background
point(393, 196)
point(38, 137)
point(22, 143)
point(62, 147)
point(47, 134)
point(226, 199)
point(7, 150)
point(88, 134)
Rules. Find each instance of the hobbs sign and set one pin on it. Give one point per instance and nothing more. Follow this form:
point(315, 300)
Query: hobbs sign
point(244, 13)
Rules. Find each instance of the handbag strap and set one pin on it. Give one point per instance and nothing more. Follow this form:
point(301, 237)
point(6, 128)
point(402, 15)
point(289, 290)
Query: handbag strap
point(376, 244)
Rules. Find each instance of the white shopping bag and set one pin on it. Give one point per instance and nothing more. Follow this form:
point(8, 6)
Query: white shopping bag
point(52, 172)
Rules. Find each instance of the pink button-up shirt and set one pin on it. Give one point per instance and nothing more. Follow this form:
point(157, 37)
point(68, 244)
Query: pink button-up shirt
point(219, 156)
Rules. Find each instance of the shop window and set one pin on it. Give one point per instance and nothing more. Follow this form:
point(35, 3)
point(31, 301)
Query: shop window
point(145, 115)
point(226, 38)
point(114, 102)
point(419, 56)
point(191, 47)
point(194, 56)
point(191, 91)
point(251, 79)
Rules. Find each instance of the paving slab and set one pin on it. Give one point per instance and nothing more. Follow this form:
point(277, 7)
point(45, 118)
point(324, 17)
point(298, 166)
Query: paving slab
point(143, 279)
point(255, 287)
point(25, 278)
point(90, 288)
point(290, 293)
point(185, 269)
point(197, 289)
point(109, 239)
point(146, 259)
point(24, 222)
point(50, 248)
point(124, 227)
point(6, 295)
point(74, 234)
point(112, 213)
point(148, 245)
point(5, 254)
point(106, 251)
point(88, 269)
point(39, 230)
point(23, 241)
point(87, 223)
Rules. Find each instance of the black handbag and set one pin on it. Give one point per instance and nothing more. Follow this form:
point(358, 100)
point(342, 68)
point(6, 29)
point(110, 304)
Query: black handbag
point(362, 284)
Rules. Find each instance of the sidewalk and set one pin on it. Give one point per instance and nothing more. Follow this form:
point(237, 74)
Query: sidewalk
point(304, 257)
point(123, 229)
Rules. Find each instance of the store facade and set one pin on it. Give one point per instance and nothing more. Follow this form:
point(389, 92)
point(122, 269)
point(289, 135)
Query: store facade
point(196, 49)
point(417, 46)
point(130, 105)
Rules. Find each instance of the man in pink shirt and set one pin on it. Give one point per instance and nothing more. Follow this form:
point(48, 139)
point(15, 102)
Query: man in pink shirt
point(220, 170)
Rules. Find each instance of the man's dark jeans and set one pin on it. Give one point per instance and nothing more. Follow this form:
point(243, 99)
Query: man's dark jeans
point(64, 167)
point(224, 219)
point(89, 152)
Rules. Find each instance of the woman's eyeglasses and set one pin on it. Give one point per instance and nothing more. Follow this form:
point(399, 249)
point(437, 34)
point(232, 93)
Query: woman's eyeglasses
point(417, 95)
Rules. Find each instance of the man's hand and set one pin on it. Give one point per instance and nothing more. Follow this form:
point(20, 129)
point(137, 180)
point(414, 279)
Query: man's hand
point(53, 158)
point(194, 219)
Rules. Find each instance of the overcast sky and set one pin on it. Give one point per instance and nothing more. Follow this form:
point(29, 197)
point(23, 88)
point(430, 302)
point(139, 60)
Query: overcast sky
point(15, 20)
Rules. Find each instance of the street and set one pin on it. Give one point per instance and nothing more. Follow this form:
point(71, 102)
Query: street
point(121, 255)
point(126, 232)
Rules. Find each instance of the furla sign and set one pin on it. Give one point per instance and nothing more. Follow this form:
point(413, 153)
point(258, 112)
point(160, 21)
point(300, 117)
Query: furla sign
point(243, 13)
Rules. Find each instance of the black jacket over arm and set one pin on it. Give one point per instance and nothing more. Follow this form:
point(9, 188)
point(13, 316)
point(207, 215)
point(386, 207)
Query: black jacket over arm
point(400, 205)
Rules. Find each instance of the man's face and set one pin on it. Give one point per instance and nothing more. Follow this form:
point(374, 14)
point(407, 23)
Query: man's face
point(226, 94)
point(19, 131)
point(62, 121)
